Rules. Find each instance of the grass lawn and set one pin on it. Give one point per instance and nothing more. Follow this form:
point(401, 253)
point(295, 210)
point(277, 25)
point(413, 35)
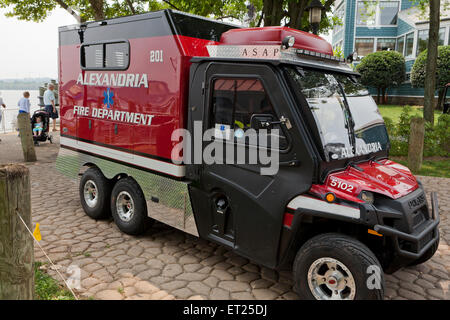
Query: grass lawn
point(394, 112)
point(435, 166)
point(47, 288)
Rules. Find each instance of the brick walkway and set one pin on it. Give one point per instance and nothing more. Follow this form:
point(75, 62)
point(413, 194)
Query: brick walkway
point(168, 264)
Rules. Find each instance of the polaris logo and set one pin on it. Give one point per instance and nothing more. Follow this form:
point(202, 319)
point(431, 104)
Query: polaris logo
point(416, 202)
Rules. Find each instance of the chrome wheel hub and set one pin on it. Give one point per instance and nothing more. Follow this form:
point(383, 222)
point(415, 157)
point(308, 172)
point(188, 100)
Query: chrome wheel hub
point(125, 206)
point(90, 192)
point(330, 279)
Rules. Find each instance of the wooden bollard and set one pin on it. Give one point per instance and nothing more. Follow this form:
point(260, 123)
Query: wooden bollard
point(26, 136)
point(16, 243)
point(416, 139)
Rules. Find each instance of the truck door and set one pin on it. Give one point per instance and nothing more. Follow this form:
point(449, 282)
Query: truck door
point(234, 203)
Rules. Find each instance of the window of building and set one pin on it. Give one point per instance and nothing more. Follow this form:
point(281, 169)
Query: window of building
point(388, 11)
point(364, 46)
point(385, 44)
point(400, 44)
point(366, 13)
point(441, 37)
point(381, 13)
point(339, 13)
point(422, 39)
point(109, 56)
point(235, 101)
point(409, 44)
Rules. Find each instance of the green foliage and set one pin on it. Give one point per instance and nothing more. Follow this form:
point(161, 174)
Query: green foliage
point(436, 141)
point(382, 69)
point(289, 10)
point(443, 67)
point(338, 52)
point(47, 288)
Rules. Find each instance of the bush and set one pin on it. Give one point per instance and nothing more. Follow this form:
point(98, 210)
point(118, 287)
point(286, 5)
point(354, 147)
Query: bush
point(443, 67)
point(382, 69)
point(436, 140)
point(442, 74)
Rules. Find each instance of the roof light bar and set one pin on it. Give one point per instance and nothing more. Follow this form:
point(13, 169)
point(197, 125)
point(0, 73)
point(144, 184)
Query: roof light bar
point(319, 55)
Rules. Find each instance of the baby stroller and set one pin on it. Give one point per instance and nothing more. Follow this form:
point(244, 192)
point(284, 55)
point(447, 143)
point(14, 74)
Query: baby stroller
point(44, 136)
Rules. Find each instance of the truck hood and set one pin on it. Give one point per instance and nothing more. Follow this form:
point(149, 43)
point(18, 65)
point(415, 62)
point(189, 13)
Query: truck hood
point(384, 177)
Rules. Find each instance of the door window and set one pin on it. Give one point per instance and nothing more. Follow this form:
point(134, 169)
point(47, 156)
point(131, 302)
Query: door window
point(236, 101)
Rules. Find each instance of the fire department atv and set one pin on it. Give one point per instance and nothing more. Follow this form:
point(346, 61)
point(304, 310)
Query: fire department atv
point(336, 210)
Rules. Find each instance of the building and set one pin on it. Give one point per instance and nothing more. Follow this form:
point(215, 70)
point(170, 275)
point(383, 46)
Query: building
point(370, 26)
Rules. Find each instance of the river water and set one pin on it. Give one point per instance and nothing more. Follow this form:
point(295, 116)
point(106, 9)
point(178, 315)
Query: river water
point(10, 99)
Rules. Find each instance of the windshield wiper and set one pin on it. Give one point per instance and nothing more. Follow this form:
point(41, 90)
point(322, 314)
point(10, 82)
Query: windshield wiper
point(352, 164)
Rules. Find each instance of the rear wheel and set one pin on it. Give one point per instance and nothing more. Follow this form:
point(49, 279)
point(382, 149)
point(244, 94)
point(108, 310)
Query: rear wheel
point(95, 192)
point(337, 267)
point(129, 208)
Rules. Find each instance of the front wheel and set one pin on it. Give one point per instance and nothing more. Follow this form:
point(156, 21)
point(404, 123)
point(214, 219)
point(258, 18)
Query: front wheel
point(333, 266)
point(129, 208)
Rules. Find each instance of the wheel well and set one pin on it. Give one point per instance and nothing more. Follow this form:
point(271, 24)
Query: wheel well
point(88, 165)
point(313, 226)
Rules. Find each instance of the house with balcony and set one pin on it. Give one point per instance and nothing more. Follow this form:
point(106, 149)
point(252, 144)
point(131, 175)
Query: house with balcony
point(369, 26)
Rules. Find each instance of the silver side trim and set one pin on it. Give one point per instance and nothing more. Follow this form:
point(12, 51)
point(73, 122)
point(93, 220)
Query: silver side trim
point(152, 164)
point(305, 202)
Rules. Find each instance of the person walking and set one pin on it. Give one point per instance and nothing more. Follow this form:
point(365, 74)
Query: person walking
point(2, 104)
point(50, 104)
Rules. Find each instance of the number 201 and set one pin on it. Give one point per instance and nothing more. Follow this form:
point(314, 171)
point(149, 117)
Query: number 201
point(156, 56)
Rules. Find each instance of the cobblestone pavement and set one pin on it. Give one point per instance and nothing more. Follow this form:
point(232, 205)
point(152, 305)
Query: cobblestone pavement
point(167, 264)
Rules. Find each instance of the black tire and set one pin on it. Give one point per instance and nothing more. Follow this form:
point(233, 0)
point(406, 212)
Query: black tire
point(138, 222)
point(353, 254)
point(427, 255)
point(101, 208)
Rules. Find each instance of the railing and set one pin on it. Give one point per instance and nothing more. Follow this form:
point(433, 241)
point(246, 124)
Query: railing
point(8, 121)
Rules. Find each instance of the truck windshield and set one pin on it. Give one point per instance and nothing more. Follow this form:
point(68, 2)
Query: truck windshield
point(346, 116)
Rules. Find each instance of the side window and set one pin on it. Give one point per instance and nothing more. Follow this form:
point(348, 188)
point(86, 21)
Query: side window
point(236, 101)
point(109, 56)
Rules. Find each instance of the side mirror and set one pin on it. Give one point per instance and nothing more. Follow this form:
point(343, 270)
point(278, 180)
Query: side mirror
point(261, 121)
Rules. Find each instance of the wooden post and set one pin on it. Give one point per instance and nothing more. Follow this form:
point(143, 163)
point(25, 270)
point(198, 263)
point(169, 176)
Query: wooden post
point(26, 136)
point(16, 243)
point(416, 138)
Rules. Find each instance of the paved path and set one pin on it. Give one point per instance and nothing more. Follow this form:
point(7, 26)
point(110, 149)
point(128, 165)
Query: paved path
point(167, 264)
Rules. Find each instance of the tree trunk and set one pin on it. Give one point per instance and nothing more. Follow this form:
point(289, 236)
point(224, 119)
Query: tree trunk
point(273, 12)
point(16, 244)
point(415, 150)
point(66, 7)
point(431, 66)
point(97, 8)
point(26, 137)
point(378, 96)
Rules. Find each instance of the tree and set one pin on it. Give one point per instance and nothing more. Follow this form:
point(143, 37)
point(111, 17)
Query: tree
point(432, 53)
point(382, 69)
point(290, 13)
point(418, 73)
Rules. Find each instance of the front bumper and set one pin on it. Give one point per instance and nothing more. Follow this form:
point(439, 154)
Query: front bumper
point(413, 245)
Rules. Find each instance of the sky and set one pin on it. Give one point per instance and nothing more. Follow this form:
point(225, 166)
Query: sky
point(29, 49)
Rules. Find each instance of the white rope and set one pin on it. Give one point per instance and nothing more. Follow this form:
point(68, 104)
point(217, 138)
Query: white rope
point(55, 268)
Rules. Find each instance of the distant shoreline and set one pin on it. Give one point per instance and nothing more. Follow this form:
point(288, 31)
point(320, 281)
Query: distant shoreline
point(23, 84)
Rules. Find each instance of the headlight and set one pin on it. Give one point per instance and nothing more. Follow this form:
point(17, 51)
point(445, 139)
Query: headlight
point(367, 197)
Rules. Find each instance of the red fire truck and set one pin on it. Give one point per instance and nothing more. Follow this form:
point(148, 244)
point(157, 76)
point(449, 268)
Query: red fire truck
point(337, 212)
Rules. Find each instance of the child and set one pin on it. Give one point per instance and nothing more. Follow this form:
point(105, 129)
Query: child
point(37, 130)
point(24, 103)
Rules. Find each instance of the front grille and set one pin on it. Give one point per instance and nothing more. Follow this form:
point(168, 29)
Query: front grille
point(417, 217)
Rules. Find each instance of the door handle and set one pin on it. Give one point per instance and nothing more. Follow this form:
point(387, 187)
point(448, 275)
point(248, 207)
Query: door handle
point(291, 163)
